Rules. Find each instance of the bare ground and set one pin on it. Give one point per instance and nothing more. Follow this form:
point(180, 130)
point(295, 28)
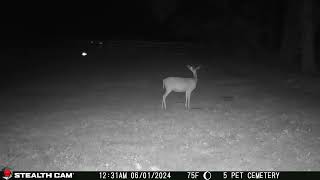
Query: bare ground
point(238, 121)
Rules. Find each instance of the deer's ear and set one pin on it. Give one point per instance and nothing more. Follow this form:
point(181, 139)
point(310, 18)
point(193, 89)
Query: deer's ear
point(198, 67)
point(189, 67)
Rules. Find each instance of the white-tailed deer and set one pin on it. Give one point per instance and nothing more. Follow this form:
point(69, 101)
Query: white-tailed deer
point(179, 84)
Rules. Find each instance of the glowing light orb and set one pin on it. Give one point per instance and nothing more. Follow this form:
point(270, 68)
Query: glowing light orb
point(84, 54)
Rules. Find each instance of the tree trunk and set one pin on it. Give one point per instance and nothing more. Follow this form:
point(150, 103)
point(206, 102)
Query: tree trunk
point(307, 38)
point(290, 35)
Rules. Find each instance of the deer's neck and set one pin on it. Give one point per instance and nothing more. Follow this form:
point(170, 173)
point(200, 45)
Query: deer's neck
point(195, 77)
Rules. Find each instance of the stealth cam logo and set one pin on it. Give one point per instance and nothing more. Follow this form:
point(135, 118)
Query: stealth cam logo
point(6, 173)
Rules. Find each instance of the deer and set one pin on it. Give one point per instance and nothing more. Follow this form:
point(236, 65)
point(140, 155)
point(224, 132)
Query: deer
point(180, 84)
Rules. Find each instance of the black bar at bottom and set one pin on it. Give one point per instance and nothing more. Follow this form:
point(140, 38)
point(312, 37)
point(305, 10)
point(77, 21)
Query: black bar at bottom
point(168, 175)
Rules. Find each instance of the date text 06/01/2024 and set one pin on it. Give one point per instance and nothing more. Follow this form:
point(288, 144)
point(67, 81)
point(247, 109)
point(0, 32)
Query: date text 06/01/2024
point(135, 175)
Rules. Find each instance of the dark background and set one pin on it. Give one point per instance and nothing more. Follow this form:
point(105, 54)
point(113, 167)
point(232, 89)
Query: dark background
point(150, 20)
point(37, 35)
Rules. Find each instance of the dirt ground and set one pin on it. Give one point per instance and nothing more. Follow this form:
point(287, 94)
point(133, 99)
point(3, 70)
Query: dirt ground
point(110, 118)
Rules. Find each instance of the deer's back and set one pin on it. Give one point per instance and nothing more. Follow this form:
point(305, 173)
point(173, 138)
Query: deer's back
point(179, 84)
